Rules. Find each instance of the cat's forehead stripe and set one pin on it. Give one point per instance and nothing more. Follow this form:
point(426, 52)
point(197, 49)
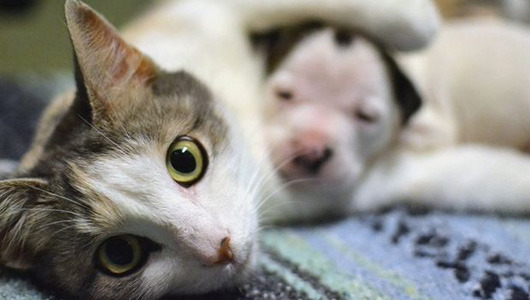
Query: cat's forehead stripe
point(179, 83)
point(206, 119)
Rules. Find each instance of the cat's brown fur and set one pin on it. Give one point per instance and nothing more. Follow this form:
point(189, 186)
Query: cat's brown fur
point(52, 218)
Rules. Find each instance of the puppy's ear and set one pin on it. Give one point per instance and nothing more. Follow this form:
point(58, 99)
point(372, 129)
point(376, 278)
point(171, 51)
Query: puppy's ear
point(277, 43)
point(107, 68)
point(22, 216)
point(405, 93)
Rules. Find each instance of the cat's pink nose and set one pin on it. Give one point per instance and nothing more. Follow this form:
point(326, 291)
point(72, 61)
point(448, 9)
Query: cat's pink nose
point(225, 254)
point(220, 255)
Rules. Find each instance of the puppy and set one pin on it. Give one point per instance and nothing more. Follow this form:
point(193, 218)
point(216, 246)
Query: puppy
point(334, 104)
point(346, 132)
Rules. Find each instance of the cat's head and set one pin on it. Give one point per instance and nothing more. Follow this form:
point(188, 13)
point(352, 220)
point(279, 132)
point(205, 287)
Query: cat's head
point(142, 189)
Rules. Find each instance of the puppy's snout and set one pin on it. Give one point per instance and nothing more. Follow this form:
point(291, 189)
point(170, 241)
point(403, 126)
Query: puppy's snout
point(312, 160)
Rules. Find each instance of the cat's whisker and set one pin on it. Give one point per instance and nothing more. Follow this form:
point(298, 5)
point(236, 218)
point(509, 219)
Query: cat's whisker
point(254, 182)
point(272, 172)
point(113, 111)
point(265, 227)
point(264, 159)
point(246, 166)
point(37, 209)
point(118, 147)
point(281, 188)
point(61, 230)
point(79, 203)
point(45, 227)
point(266, 212)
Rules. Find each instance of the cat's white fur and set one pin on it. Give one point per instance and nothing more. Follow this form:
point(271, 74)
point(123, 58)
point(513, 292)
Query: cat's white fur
point(463, 150)
point(188, 222)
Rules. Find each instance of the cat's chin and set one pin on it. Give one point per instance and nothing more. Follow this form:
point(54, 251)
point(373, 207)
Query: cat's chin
point(222, 277)
point(219, 279)
point(238, 271)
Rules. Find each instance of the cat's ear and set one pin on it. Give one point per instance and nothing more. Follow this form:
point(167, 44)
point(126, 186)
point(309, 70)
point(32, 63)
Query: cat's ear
point(20, 221)
point(108, 69)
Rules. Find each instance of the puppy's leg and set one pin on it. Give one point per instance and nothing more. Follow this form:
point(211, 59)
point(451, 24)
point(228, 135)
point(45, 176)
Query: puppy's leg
point(405, 25)
point(462, 178)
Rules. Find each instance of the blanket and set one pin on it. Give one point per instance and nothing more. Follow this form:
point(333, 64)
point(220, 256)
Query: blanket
point(395, 254)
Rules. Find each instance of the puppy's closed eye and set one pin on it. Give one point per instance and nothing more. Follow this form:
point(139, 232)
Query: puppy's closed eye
point(343, 37)
point(366, 117)
point(284, 94)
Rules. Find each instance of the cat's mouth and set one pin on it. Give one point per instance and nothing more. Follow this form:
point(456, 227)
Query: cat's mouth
point(243, 264)
point(238, 262)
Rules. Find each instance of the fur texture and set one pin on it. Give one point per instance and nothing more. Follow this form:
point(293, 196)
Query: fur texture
point(335, 104)
point(98, 170)
point(97, 166)
point(464, 149)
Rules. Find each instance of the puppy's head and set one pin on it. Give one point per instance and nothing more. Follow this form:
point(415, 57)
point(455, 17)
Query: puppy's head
point(333, 104)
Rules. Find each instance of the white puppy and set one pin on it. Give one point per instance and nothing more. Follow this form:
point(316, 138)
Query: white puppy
point(337, 114)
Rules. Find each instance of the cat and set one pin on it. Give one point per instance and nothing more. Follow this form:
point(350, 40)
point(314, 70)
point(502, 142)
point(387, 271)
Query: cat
point(356, 129)
point(130, 175)
point(139, 184)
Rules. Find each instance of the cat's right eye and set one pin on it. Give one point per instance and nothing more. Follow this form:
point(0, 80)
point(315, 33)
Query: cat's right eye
point(186, 161)
point(121, 255)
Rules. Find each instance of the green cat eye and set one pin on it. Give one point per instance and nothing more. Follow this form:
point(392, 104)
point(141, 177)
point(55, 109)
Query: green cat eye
point(120, 255)
point(186, 161)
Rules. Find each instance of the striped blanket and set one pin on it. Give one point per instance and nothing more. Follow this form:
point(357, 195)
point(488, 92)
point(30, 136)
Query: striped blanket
point(391, 255)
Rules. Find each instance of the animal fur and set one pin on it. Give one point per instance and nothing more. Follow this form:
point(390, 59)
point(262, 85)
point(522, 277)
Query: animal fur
point(96, 168)
point(463, 150)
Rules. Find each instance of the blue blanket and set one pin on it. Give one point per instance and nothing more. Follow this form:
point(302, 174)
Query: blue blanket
point(392, 255)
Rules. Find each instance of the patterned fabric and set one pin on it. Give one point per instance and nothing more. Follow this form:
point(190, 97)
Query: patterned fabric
point(399, 255)
point(392, 255)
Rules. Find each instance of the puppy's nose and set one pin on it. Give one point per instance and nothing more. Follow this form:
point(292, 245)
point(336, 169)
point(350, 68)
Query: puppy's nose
point(312, 160)
point(225, 254)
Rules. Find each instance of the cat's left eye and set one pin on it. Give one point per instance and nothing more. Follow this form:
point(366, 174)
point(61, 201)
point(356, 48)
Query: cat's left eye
point(121, 255)
point(186, 161)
